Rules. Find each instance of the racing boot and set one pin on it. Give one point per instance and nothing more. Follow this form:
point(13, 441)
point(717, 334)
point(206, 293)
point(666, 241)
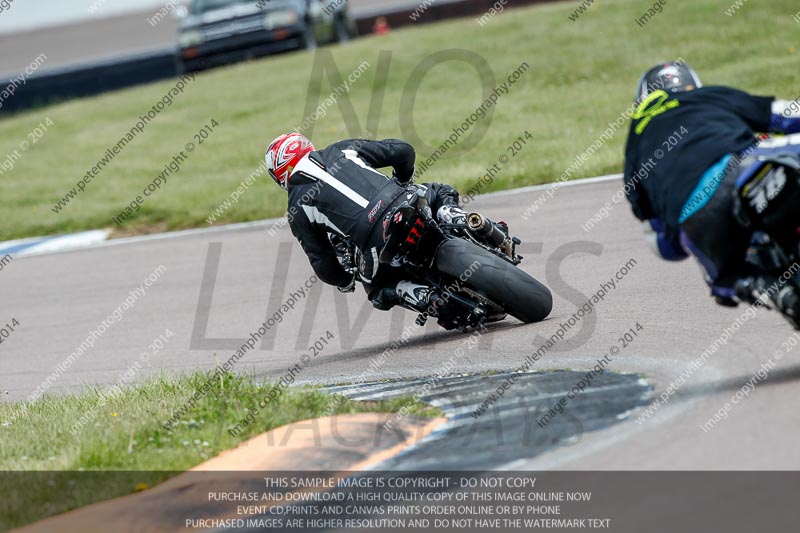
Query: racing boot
point(419, 298)
point(451, 214)
point(385, 299)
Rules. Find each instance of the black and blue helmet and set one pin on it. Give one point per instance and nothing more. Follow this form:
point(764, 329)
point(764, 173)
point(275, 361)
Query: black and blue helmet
point(672, 77)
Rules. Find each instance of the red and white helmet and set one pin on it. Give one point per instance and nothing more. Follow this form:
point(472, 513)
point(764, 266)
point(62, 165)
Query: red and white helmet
point(284, 153)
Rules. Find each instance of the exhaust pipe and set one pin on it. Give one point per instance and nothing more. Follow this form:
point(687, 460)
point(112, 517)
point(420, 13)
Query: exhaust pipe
point(484, 229)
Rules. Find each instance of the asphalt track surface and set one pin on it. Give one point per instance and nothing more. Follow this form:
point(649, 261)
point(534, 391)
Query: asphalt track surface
point(59, 298)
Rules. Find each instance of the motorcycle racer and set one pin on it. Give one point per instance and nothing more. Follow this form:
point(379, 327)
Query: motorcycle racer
point(338, 191)
point(687, 148)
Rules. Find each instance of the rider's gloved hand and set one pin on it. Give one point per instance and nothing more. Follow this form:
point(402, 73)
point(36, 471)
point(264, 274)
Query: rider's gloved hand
point(406, 182)
point(401, 183)
point(345, 255)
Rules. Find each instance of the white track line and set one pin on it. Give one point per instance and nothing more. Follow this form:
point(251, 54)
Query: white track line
point(545, 186)
point(244, 226)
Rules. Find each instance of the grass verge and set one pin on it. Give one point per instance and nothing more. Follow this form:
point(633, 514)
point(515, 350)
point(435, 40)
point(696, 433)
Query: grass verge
point(581, 78)
point(49, 469)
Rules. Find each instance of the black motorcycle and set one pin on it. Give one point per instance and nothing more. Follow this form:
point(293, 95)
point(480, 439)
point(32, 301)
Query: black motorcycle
point(766, 202)
point(472, 266)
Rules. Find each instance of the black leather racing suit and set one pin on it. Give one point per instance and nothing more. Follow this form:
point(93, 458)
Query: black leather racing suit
point(339, 190)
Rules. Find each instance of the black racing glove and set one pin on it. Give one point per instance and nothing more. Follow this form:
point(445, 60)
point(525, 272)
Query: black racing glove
point(408, 182)
point(346, 255)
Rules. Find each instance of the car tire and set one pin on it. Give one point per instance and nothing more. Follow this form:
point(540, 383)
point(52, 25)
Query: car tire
point(180, 67)
point(342, 30)
point(308, 39)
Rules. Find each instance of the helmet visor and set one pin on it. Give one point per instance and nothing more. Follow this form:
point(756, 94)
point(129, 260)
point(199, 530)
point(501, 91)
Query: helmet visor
point(670, 77)
point(275, 177)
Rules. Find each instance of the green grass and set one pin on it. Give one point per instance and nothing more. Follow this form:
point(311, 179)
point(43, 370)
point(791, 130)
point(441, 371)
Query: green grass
point(582, 76)
point(125, 443)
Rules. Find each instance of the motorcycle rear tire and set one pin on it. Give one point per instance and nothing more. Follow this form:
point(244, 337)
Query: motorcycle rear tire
point(520, 295)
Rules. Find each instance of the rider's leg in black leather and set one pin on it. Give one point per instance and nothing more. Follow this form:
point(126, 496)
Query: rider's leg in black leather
point(718, 241)
point(389, 286)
